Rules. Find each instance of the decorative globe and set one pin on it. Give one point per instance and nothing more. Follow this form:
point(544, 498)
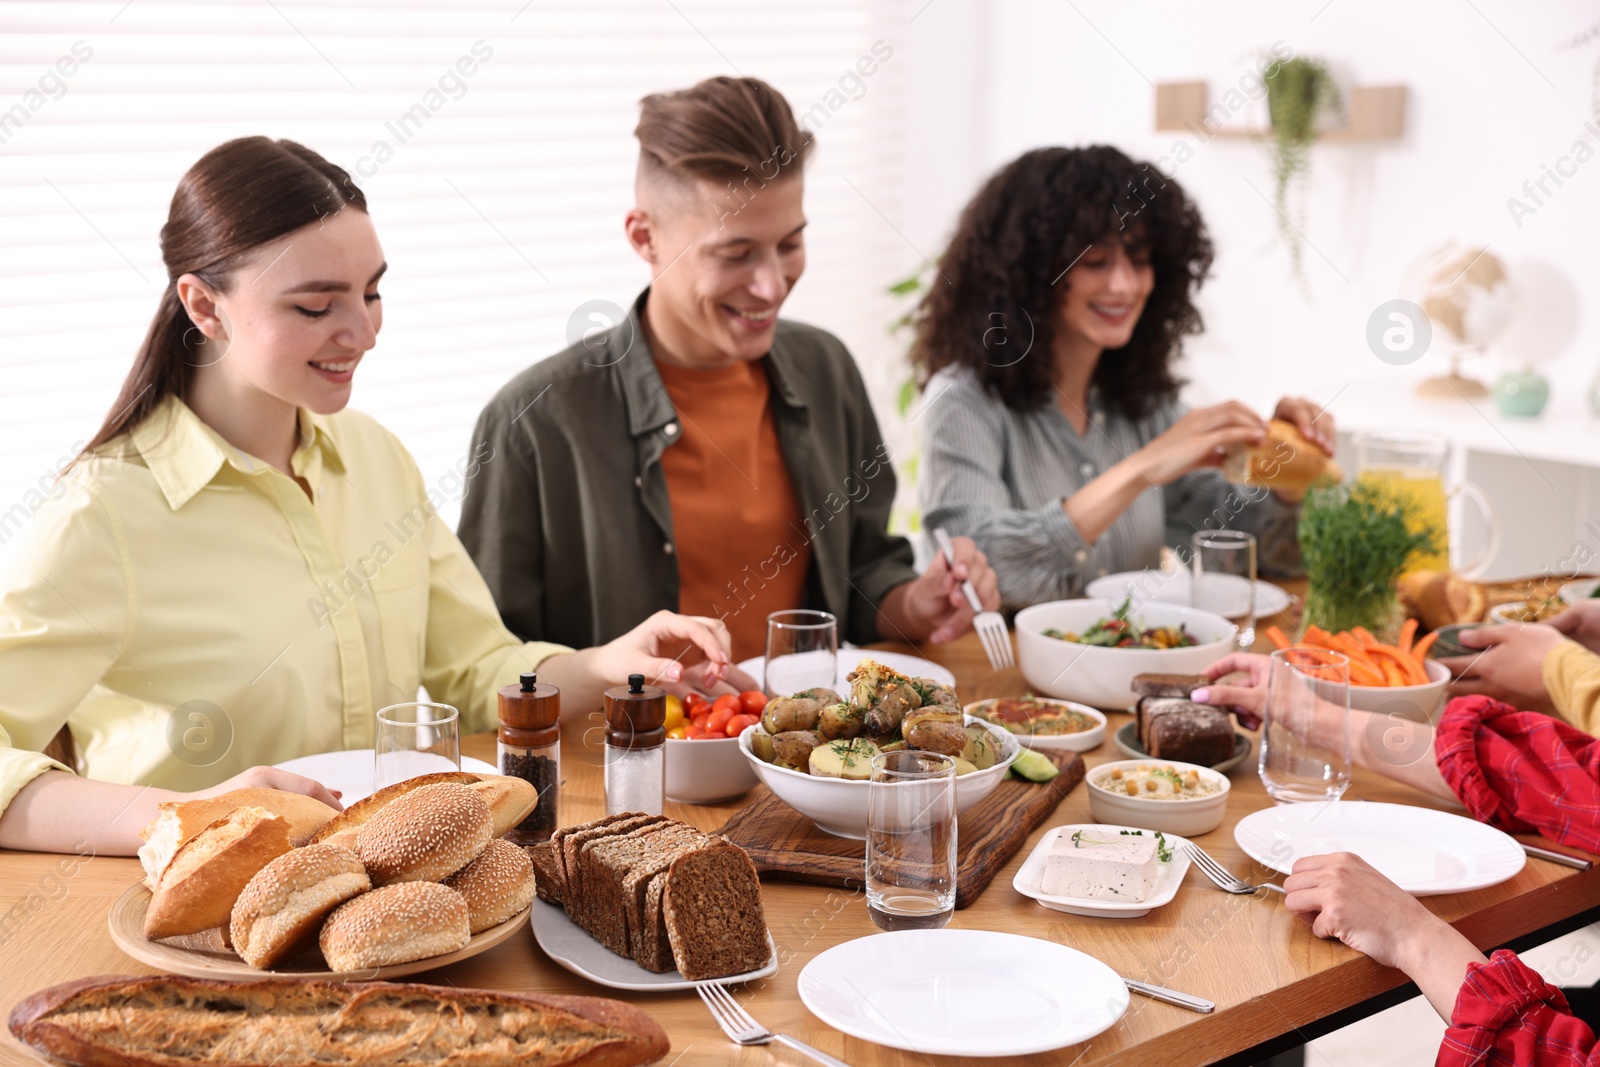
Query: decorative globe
point(1466, 293)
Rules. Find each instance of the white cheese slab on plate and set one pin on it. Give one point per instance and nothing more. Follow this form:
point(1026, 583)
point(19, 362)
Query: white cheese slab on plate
point(1030, 878)
point(1102, 866)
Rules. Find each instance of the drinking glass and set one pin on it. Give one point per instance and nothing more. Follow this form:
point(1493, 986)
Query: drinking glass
point(1224, 580)
point(415, 738)
point(911, 840)
point(802, 652)
point(1305, 727)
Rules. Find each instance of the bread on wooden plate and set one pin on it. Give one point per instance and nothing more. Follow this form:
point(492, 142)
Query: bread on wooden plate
point(357, 814)
point(426, 835)
point(496, 886)
point(510, 799)
point(172, 1022)
point(395, 924)
point(283, 907)
point(179, 820)
point(614, 877)
point(198, 888)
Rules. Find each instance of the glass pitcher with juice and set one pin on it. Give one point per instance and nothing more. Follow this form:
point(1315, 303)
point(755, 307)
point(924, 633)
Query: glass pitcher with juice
point(1409, 465)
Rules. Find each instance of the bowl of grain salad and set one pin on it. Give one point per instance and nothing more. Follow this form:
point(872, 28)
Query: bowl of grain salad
point(1175, 798)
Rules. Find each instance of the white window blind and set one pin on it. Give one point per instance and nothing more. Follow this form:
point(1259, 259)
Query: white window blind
point(493, 141)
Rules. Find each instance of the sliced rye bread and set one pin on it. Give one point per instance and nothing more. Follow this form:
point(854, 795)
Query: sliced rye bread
point(1150, 708)
point(1194, 733)
point(602, 862)
point(1151, 684)
point(572, 843)
point(656, 952)
point(712, 908)
point(643, 929)
point(558, 839)
point(546, 872)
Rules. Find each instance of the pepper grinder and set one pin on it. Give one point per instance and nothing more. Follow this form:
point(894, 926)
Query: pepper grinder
point(635, 747)
point(530, 749)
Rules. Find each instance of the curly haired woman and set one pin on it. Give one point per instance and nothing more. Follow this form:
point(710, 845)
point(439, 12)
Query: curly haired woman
point(1054, 437)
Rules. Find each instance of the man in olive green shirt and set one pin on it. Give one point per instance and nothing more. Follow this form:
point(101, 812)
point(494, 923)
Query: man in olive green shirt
point(569, 517)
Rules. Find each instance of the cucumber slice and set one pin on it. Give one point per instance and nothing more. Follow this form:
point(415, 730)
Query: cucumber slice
point(1034, 766)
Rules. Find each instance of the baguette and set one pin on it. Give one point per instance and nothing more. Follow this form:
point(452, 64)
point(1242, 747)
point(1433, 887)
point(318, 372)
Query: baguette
point(182, 819)
point(198, 889)
point(171, 1022)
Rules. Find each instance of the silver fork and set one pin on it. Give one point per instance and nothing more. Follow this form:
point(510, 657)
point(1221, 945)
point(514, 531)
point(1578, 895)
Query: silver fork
point(1225, 878)
point(990, 625)
point(743, 1030)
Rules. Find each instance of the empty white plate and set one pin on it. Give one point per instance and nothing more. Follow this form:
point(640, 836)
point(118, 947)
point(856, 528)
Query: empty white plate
point(350, 771)
point(1172, 587)
point(963, 992)
point(1030, 877)
point(911, 666)
point(569, 945)
point(1421, 850)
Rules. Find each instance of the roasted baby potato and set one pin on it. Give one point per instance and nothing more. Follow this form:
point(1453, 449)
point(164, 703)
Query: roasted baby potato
point(983, 748)
point(761, 745)
point(846, 758)
point(893, 703)
point(941, 695)
point(792, 749)
point(799, 712)
point(935, 731)
point(964, 767)
point(840, 720)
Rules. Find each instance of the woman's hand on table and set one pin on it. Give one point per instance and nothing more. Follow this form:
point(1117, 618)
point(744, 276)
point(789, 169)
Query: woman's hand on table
point(1245, 697)
point(1511, 666)
point(273, 778)
point(1344, 898)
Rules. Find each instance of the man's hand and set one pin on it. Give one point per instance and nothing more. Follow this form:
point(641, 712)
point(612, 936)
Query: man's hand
point(1581, 622)
point(932, 607)
point(1511, 667)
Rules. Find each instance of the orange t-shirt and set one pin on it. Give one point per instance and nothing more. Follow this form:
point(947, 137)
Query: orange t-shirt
point(739, 537)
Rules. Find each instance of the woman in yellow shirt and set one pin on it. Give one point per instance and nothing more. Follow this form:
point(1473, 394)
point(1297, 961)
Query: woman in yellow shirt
point(239, 571)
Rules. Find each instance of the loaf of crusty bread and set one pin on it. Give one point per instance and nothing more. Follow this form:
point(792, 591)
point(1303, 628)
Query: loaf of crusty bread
point(198, 889)
point(179, 820)
point(356, 815)
point(171, 1022)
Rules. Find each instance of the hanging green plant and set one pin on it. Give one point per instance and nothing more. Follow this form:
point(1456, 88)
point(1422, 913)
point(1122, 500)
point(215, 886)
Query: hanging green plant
point(1300, 91)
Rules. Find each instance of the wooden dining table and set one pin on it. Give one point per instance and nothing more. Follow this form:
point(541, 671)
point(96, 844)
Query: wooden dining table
point(1274, 983)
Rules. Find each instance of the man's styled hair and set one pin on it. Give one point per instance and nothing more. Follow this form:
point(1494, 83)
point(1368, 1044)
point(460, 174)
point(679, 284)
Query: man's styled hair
point(735, 130)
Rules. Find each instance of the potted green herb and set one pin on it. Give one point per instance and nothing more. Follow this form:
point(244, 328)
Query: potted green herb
point(1354, 541)
point(1300, 91)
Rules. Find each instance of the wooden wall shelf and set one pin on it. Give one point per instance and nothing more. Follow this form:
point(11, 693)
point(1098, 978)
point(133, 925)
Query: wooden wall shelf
point(1374, 113)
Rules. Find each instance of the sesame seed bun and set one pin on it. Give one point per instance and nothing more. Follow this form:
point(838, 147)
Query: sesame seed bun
point(356, 815)
point(496, 885)
point(426, 835)
point(395, 924)
point(280, 909)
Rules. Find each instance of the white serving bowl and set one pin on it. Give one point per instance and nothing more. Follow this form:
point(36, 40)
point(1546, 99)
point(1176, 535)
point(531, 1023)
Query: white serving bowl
point(1103, 677)
point(839, 805)
point(706, 771)
point(1083, 741)
point(1195, 815)
point(1419, 703)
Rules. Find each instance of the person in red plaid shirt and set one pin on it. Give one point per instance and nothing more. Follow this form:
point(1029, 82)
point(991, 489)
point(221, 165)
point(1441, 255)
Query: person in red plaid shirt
point(1519, 771)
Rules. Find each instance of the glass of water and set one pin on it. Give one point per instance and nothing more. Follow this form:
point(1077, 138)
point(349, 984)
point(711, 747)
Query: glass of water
point(802, 652)
point(1305, 728)
point(414, 739)
point(911, 840)
point(1224, 578)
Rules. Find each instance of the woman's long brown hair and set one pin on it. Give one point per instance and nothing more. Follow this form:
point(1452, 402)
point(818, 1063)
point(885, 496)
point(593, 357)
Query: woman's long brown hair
point(236, 198)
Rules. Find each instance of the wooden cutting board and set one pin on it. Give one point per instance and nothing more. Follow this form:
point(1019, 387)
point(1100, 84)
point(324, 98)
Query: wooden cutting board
point(786, 845)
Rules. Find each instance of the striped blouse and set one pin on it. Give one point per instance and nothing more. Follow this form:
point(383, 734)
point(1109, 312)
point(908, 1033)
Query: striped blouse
point(999, 476)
